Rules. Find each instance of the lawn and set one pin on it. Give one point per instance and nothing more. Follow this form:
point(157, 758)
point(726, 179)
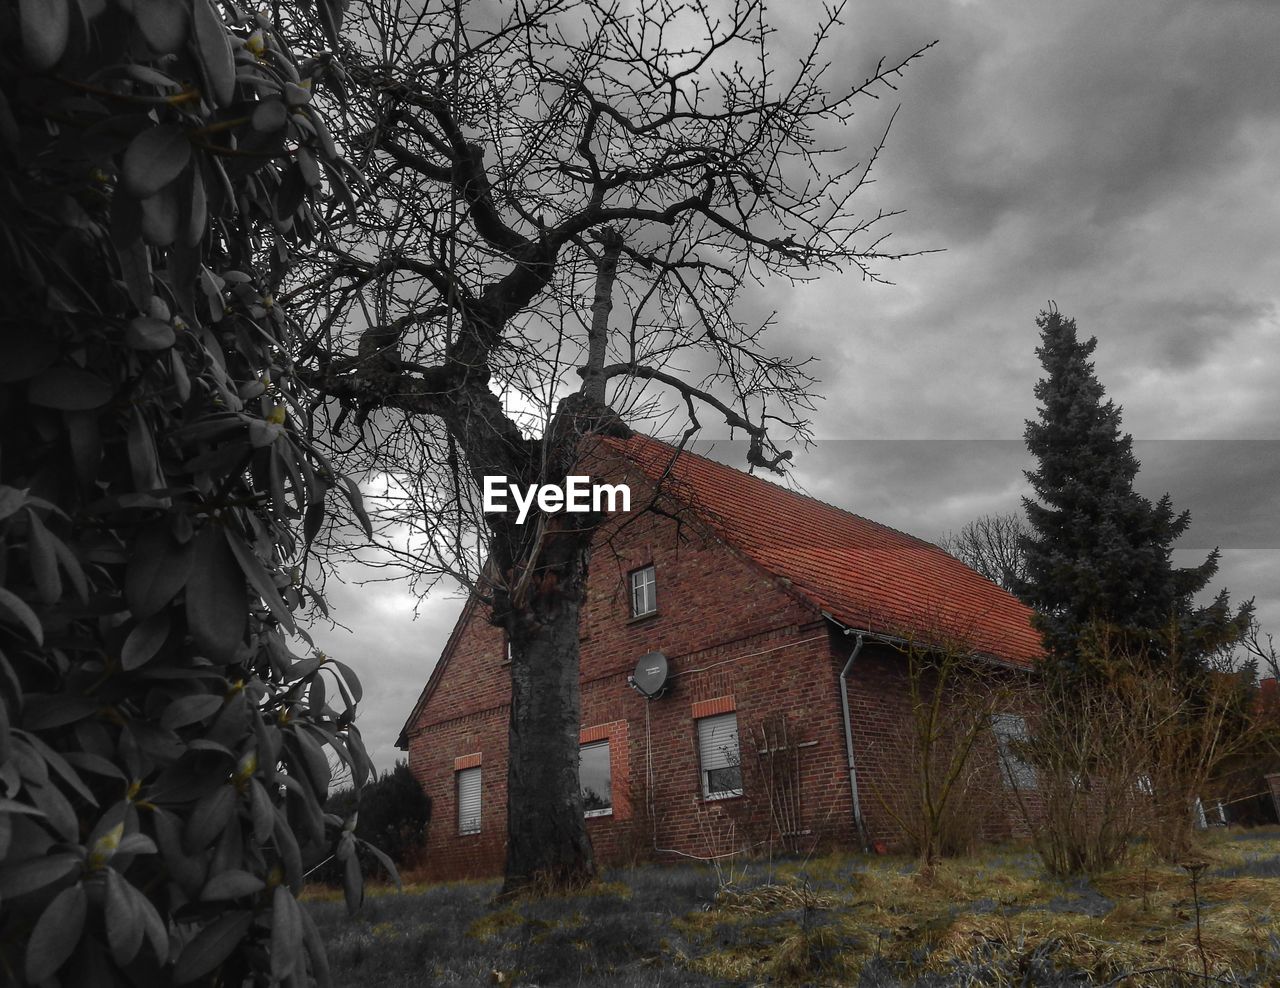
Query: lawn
point(995, 919)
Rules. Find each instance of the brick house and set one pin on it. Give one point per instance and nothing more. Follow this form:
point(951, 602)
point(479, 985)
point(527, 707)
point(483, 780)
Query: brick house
point(773, 611)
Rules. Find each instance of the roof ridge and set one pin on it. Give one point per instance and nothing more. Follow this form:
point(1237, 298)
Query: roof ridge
point(787, 490)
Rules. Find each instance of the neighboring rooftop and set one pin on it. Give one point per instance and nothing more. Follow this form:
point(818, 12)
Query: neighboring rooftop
point(864, 574)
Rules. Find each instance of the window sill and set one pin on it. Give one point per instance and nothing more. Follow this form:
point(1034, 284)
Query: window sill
point(597, 814)
point(719, 797)
point(637, 618)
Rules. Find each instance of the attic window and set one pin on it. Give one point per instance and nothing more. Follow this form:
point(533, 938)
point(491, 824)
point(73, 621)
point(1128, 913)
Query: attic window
point(644, 592)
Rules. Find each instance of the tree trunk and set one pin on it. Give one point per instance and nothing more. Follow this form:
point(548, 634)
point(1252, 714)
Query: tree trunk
point(547, 842)
point(931, 851)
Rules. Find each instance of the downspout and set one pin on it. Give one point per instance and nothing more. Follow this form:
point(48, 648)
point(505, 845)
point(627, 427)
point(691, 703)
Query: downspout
point(848, 743)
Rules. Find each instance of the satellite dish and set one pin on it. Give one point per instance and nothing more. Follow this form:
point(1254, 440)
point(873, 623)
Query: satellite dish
point(651, 675)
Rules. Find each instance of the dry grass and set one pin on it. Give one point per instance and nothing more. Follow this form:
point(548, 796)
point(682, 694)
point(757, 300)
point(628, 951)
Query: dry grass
point(994, 919)
point(770, 898)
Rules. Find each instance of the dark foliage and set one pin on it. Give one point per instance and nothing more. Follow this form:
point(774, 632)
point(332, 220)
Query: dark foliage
point(1098, 550)
point(391, 813)
point(162, 750)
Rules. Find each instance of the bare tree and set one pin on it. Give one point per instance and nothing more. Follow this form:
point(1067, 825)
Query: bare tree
point(563, 209)
point(1260, 648)
point(1126, 752)
point(991, 545)
point(954, 693)
point(1090, 747)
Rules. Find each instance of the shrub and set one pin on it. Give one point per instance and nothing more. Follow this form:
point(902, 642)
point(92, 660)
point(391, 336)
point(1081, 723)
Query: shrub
point(161, 745)
point(1125, 753)
point(953, 695)
point(391, 813)
point(1091, 757)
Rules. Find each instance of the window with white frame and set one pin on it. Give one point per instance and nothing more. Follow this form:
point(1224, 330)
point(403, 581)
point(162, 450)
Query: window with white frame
point(644, 592)
point(595, 778)
point(469, 800)
point(1011, 734)
point(719, 757)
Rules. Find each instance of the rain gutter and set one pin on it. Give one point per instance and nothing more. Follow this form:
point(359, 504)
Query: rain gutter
point(848, 733)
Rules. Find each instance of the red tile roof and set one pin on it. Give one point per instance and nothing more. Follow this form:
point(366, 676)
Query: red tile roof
point(865, 575)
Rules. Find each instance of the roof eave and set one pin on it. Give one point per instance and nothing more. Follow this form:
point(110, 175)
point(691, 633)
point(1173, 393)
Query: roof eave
point(989, 658)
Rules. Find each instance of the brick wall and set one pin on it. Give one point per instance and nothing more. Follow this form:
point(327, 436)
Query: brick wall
point(735, 640)
point(881, 719)
point(784, 672)
point(431, 758)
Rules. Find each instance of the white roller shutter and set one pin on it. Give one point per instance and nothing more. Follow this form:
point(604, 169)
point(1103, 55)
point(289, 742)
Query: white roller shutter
point(719, 756)
point(469, 801)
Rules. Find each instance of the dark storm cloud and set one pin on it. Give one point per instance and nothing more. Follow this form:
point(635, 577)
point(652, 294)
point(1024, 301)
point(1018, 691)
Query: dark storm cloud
point(1193, 329)
point(1082, 112)
point(1231, 488)
point(1113, 157)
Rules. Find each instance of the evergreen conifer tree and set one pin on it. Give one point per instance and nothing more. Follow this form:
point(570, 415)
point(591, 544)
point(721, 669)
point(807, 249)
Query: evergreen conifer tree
point(1098, 550)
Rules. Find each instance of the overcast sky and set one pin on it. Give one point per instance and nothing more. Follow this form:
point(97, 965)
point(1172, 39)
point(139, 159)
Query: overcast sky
point(1122, 159)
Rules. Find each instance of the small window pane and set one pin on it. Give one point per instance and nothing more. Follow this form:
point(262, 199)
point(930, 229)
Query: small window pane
point(469, 801)
point(724, 781)
point(719, 756)
point(595, 778)
point(1011, 731)
point(644, 592)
